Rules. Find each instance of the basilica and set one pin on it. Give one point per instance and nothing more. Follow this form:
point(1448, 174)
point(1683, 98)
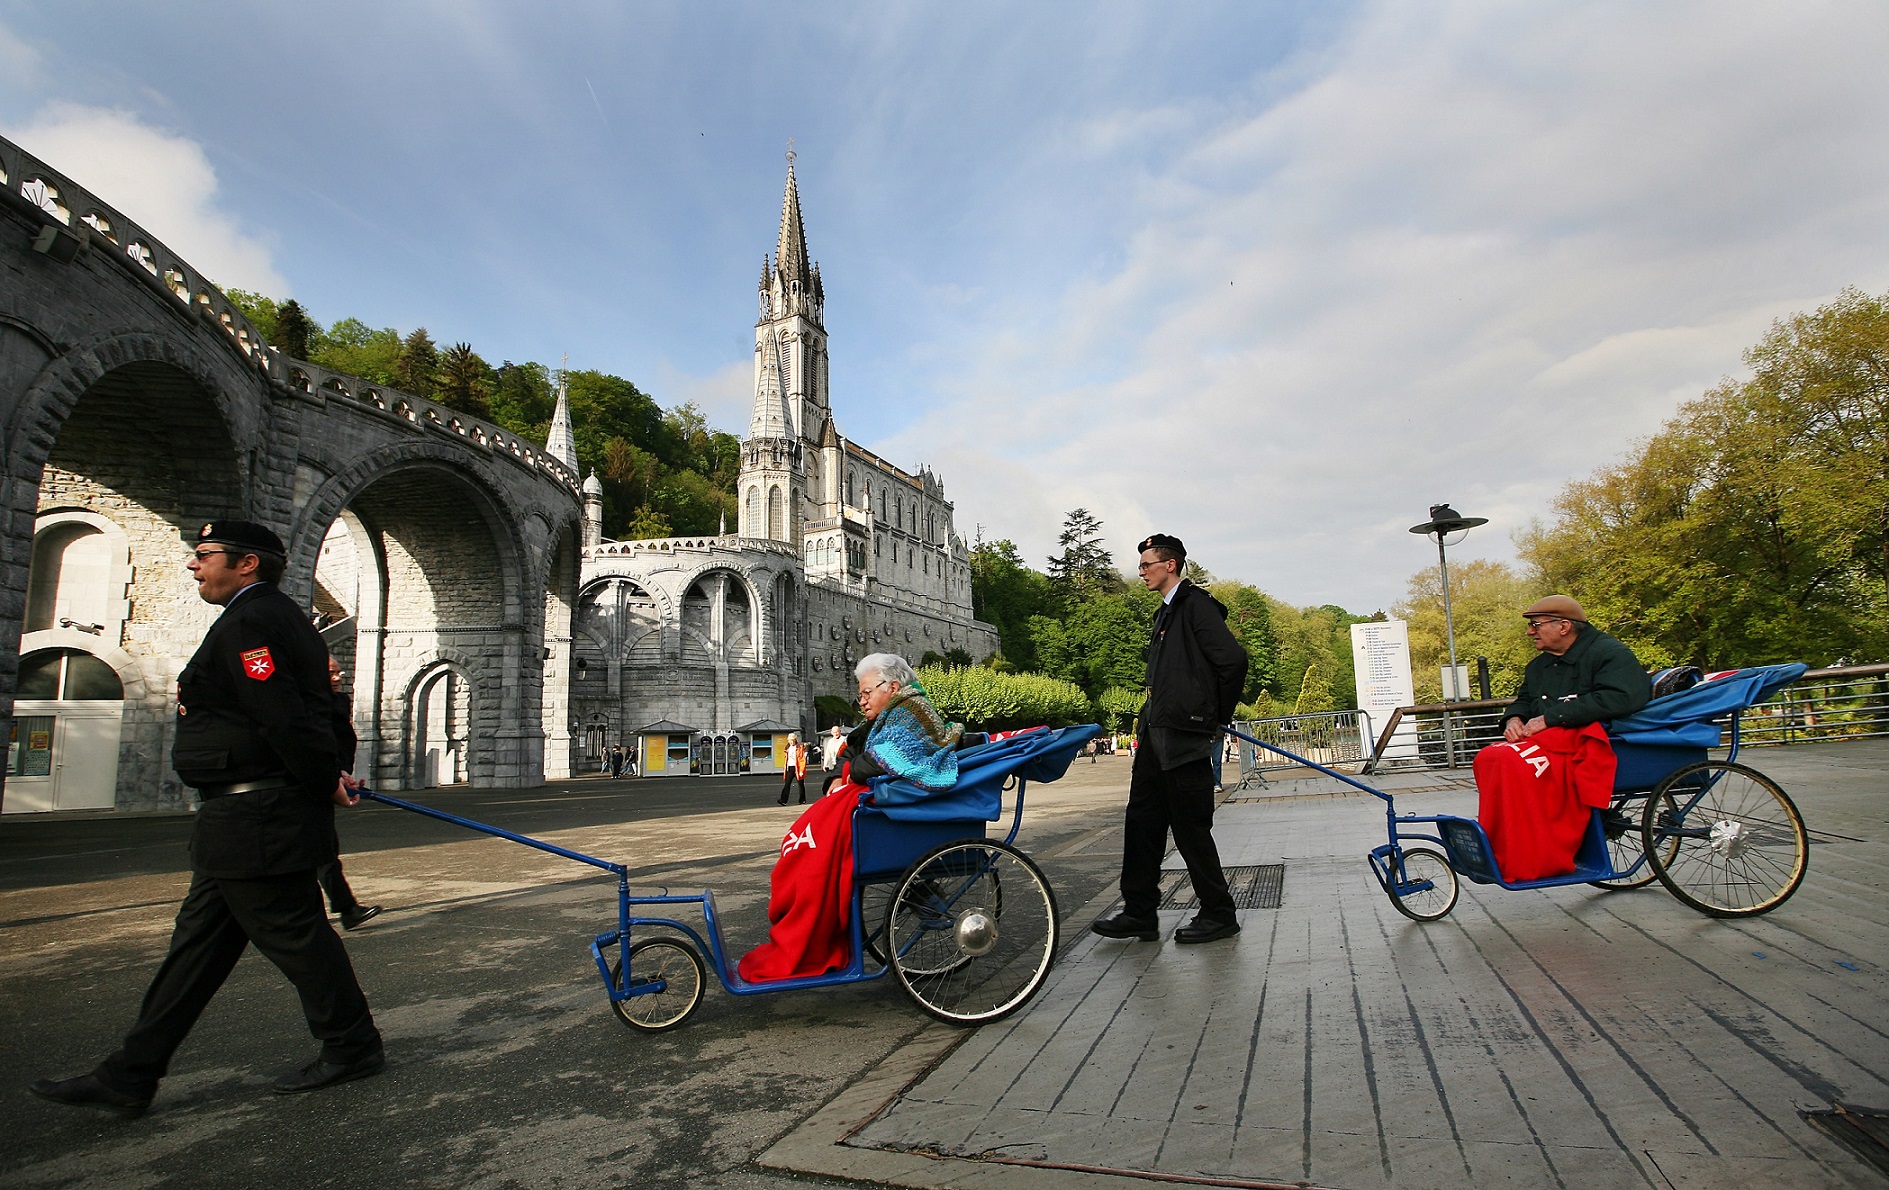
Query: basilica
point(700, 654)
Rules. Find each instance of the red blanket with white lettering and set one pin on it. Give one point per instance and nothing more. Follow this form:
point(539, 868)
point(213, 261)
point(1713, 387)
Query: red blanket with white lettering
point(809, 908)
point(1536, 795)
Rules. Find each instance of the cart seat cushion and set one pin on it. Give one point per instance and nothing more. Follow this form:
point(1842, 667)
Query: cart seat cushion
point(1041, 755)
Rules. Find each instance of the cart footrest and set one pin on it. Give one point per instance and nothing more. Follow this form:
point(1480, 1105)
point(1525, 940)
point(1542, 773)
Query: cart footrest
point(1472, 856)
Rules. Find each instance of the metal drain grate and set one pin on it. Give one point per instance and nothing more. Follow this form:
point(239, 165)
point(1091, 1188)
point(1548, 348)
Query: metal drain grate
point(1255, 887)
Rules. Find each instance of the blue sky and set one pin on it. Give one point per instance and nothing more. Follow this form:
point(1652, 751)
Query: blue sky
point(1272, 277)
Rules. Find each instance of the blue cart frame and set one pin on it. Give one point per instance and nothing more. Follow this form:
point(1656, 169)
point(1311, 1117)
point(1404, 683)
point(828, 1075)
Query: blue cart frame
point(1721, 836)
point(968, 925)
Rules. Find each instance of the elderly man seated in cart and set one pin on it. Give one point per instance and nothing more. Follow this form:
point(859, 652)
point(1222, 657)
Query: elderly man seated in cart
point(1555, 762)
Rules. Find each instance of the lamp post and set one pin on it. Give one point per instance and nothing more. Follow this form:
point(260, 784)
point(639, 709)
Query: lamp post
point(1443, 521)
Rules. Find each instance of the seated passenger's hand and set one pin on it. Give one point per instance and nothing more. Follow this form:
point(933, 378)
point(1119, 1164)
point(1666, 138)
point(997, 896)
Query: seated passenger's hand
point(1512, 730)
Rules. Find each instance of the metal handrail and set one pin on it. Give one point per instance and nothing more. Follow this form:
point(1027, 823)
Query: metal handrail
point(1832, 703)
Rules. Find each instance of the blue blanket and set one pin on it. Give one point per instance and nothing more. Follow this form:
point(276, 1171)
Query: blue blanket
point(1684, 719)
point(982, 771)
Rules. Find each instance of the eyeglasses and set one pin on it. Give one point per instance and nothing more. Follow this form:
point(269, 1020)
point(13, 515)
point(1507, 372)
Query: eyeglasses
point(200, 555)
point(867, 692)
point(1145, 567)
point(1544, 621)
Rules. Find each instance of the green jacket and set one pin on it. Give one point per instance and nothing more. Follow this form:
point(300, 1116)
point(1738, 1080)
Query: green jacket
point(1597, 679)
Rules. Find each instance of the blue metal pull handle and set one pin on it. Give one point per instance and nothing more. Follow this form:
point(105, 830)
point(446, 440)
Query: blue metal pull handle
point(620, 870)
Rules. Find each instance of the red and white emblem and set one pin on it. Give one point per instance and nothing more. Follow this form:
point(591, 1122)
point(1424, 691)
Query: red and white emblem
point(258, 664)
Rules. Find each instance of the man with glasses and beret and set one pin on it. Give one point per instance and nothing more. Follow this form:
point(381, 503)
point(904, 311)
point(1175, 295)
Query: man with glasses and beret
point(1196, 670)
point(1555, 763)
point(254, 739)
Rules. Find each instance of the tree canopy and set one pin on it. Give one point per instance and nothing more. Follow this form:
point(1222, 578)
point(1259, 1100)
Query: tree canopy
point(663, 471)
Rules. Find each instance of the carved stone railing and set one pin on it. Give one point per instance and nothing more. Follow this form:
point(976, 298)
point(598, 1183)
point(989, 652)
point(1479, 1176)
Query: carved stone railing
point(677, 545)
point(24, 179)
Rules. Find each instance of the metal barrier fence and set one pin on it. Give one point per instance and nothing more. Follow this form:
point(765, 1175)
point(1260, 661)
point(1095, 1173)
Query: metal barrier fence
point(1331, 738)
point(1843, 702)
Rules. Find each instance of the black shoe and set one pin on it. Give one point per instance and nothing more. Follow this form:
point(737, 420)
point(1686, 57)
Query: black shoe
point(323, 1073)
point(1204, 929)
point(353, 918)
point(88, 1090)
point(1122, 925)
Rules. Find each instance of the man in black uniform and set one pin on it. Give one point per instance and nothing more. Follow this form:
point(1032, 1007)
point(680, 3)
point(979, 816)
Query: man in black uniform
point(1195, 671)
point(334, 881)
point(253, 737)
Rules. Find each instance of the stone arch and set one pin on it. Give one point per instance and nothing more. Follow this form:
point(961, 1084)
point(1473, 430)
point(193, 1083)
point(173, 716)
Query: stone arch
point(127, 440)
point(442, 723)
point(740, 617)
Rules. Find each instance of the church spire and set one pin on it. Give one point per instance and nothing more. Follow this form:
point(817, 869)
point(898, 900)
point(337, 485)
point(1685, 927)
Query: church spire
point(790, 250)
point(561, 442)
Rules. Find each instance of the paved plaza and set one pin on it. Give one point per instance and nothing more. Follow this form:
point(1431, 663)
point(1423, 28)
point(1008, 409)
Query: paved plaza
point(1567, 1037)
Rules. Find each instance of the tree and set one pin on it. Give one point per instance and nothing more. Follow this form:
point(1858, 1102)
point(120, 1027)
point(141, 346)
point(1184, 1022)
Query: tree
point(356, 349)
point(294, 329)
point(464, 381)
point(1082, 569)
point(1754, 526)
point(1249, 617)
point(1007, 593)
point(648, 523)
point(1486, 602)
point(417, 370)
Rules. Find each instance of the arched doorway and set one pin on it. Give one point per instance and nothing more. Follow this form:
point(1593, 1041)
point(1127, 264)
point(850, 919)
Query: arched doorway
point(442, 722)
point(62, 753)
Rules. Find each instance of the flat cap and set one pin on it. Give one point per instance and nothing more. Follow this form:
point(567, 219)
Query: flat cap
point(1162, 541)
point(244, 535)
point(1560, 606)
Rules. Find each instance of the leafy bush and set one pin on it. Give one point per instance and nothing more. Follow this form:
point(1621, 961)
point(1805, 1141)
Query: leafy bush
point(990, 701)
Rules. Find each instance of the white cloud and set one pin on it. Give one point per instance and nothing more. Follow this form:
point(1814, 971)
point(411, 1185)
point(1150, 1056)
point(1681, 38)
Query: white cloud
point(162, 181)
point(1479, 251)
point(19, 62)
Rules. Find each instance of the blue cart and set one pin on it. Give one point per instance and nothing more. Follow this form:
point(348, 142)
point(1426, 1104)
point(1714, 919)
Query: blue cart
point(966, 924)
point(1721, 836)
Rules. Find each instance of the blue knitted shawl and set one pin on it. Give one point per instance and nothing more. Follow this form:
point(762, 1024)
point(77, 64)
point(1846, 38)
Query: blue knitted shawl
point(911, 741)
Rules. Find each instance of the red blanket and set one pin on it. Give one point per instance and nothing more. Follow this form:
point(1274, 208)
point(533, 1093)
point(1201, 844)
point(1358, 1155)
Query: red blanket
point(809, 907)
point(1536, 795)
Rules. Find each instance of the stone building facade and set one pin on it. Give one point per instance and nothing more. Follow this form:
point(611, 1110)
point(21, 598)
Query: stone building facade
point(440, 551)
point(837, 553)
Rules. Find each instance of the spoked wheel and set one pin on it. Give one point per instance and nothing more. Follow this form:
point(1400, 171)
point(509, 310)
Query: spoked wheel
point(1725, 839)
point(972, 928)
point(874, 899)
point(1626, 844)
point(1428, 887)
point(677, 967)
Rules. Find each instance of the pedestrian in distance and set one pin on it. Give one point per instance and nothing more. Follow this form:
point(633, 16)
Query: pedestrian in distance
point(1195, 671)
point(616, 760)
point(254, 738)
point(341, 899)
point(794, 769)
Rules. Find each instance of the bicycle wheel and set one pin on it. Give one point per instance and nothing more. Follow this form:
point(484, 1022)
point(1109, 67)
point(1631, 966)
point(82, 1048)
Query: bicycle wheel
point(1428, 887)
point(673, 963)
point(1625, 845)
point(972, 929)
point(1725, 839)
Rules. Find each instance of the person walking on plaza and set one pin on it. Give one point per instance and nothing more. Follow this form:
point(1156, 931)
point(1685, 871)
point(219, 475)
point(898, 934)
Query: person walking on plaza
point(794, 768)
point(254, 738)
point(616, 760)
point(341, 899)
point(1195, 672)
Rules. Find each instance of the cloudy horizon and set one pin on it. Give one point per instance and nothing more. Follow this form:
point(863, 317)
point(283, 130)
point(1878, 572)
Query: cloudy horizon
point(1274, 278)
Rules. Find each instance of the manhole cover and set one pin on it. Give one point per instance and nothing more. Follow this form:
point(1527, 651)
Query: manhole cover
point(1255, 887)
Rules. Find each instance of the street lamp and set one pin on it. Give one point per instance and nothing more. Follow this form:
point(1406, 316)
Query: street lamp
point(1443, 521)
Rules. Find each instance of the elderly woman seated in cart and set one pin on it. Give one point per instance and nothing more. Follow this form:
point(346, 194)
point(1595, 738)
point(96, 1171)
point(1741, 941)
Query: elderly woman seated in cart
point(808, 906)
point(1555, 762)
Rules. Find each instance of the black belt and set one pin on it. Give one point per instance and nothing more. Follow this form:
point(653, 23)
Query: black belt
point(212, 792)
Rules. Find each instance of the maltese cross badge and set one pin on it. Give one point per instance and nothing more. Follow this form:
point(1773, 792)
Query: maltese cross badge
point(258, 664)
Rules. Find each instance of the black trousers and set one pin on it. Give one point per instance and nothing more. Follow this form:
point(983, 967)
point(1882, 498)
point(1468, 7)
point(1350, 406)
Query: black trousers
point(219, 918)
point(1177, 800)
point(787, 782)
point(341, 898)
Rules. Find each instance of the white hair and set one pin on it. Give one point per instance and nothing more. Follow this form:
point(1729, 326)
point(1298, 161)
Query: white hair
point(887, 667)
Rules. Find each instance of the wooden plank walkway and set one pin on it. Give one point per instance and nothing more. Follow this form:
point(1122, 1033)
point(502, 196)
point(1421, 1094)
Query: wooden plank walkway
point(1568, 1037)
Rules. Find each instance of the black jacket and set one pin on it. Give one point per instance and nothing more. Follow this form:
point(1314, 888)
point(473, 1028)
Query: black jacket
point(1596, 680)
point(253, 705)
point(1195, 668)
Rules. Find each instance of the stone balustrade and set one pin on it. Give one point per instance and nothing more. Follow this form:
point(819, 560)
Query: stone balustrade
point(93, 223)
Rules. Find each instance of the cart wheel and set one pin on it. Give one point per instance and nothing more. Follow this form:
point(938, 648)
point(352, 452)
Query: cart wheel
point(677, 965)
point(874, 900)
point(1725, 839)
point(1625, 845)
point(972, 929)
point(1425, 867)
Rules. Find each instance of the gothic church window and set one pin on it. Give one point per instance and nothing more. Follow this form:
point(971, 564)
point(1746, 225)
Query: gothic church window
point(776, 515)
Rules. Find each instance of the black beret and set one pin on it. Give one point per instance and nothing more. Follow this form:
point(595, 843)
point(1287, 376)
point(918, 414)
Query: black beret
point(244, 535)
point(1162, 541)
